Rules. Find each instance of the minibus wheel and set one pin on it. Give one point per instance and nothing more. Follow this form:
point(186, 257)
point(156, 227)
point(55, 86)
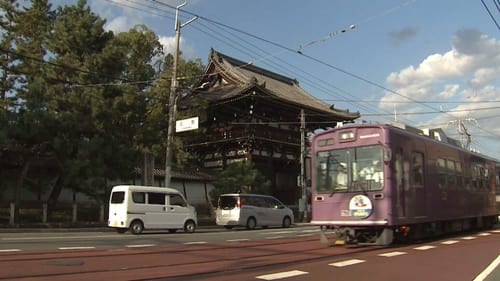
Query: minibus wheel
point(189, 226)
point(136, 227)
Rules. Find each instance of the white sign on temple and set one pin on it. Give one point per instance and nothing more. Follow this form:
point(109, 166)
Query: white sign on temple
point(186, 124)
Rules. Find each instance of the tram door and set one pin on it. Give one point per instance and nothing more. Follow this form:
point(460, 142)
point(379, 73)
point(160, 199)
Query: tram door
point(400, 185)
point(417, 182)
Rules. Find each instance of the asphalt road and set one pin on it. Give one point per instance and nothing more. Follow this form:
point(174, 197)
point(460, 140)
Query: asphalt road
point(218, 254)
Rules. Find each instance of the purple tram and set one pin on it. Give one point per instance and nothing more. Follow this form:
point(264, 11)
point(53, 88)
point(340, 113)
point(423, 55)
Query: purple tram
point(375, 183)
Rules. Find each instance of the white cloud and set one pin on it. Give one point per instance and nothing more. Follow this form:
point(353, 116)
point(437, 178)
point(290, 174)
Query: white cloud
point(168, 43)
point(473, 61)
point(118, 24)
point(464, 81)
point(449, 91)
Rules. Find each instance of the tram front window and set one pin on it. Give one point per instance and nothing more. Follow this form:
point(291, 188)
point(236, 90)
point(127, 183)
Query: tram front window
point(350, 170)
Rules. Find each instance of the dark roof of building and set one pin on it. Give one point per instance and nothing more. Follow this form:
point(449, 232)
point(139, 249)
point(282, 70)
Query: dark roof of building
point(240, 76)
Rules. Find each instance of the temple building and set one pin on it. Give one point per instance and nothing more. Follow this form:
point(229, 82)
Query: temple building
point(257, 115)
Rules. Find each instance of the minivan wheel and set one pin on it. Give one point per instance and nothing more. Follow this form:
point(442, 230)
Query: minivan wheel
point(286, 222)
point(189, 226)
point(136, 227)
point(251, 223)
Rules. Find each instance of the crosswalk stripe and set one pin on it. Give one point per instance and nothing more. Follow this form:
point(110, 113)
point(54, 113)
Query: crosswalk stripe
point(449, 242)
point(346, 263)
point(75, 248)
point(9, 250)
point(423, 248)
point(392, 254)
point(281, 275)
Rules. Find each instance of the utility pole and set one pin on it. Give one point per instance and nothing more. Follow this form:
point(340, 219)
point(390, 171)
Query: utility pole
point(465, 136)
point(173, 96)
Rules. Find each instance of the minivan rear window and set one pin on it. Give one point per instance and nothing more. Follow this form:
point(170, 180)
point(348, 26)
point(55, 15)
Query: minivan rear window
point(228, 202)
point(117, 197)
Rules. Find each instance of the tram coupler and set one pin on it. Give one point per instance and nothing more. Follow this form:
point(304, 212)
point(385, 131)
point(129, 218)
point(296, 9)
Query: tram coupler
point(340, 237)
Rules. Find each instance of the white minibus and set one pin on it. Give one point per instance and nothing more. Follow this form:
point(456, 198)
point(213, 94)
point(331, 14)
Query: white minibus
point(251, 210)
point(145, 207)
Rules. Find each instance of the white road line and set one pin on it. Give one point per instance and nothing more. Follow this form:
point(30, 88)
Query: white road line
point(274, 237)
point(140, 246)
point(468, 238)
point(392, 254)
point(423, 248)
point(305, 235)
point(59, 237)
point(238, 240)
point(495, 231)
point(195, 243)
point(449, 242)
point(488, 270)
point(281, 275)
point(346, 263)
point(312, 230)
point(9, 250)
point(75, 248)
point(278, 232)
point(484, 234)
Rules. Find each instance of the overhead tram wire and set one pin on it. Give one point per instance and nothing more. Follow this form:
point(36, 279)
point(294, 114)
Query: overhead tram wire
point(306, 56)
point(257, 37)
point(265, 60)
point(301, 53)
point(489, 13)
point(258, 57)
point(138, 8)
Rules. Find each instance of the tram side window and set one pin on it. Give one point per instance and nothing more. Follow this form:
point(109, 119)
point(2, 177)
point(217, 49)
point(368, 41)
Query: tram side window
point(441, 169)
point(475, 177)
point(418, 168)
point(459, 175)
point(450, 174)
point(483, 178)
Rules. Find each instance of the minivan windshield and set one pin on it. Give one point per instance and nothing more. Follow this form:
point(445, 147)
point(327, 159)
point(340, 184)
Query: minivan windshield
point(350, 169)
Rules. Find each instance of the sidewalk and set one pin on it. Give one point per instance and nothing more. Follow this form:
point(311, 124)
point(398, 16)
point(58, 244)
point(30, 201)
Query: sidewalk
point(86, 227)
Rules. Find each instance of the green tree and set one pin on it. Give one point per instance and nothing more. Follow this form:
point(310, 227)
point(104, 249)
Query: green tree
point(79, 146)
point(240, 177)
point(25, 129)
point(8, 160)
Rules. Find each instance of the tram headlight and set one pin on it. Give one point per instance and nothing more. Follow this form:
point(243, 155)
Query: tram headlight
point(346, 135)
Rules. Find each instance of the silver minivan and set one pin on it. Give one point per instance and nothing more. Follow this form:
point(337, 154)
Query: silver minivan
point(252, 210)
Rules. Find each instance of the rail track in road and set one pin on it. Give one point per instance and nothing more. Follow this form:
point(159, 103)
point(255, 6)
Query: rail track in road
point(177, 262)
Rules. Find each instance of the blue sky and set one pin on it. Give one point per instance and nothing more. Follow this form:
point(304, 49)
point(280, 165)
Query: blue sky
point(425, 63)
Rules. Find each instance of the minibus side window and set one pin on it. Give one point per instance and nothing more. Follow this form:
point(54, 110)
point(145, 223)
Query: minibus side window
point(117, 197)
point(156, 198)
point(177, 200)
point(139, 197)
